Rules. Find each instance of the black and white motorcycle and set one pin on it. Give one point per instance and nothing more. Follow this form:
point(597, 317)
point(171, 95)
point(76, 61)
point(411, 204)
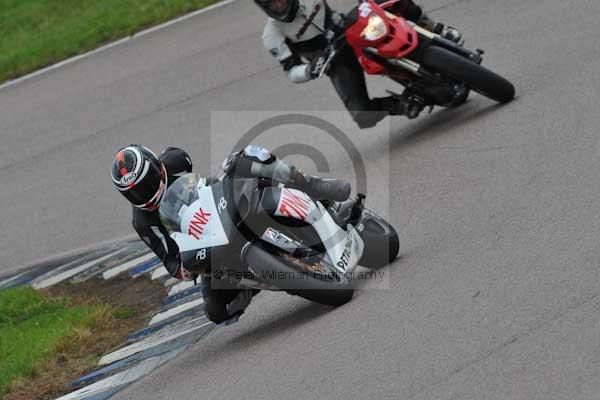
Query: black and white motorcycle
point(254, 235)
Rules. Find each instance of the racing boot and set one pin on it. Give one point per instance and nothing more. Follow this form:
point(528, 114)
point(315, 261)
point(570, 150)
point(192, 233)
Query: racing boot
point(321, 188)
point(398, 105)
point(445, 31)
point(289, 175)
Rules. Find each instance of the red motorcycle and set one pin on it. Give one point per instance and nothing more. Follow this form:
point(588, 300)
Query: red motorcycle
point(434, 70)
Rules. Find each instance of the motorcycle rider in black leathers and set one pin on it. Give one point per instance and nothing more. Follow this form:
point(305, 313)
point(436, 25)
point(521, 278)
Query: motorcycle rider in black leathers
point(295, 35)
point(142, 177)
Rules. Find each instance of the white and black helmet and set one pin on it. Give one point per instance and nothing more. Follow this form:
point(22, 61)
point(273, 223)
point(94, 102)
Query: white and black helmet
point(139, 176)
point(282, 10)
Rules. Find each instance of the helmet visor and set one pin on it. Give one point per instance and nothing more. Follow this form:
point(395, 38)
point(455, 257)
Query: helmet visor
point(277, 8)
point(147, 191)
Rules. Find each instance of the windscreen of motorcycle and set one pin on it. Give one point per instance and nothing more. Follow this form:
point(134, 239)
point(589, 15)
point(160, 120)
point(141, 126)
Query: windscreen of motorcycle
point(180, 195)
point(188, 207)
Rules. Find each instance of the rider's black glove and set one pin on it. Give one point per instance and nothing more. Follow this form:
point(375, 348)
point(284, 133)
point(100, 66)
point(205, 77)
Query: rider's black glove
point(185, 275)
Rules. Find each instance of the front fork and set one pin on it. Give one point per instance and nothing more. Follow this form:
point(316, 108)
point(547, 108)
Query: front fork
point(429, 89)
point(436, 40)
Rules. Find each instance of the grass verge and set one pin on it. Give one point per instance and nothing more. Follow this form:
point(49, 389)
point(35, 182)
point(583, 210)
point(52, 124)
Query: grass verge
point(37, 33)
point(33, 327)
point(50, 338)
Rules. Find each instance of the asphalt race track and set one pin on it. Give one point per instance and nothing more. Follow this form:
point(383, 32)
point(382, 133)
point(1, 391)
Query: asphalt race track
point(496, 293)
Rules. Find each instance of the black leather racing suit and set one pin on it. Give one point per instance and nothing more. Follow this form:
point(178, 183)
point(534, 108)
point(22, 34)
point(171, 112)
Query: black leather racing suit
point(147, 224)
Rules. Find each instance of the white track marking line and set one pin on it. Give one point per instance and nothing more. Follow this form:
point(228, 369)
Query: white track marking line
point(113, 44)
point(60, 268)
point(122, 378)
point(71, 272)
point(148, 343)
point(171, 282)
point(174, 311)
point(180, 287)
point(159, 273)
point(73, 253)
point(111, 273)
point(9, 280)
point(175, 326)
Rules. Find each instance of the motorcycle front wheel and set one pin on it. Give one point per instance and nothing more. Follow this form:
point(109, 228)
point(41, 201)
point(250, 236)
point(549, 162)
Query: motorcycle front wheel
point(475, 76)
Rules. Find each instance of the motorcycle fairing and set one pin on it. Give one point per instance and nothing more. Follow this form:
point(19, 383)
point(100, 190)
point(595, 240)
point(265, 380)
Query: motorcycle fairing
point(400, 40)
point(343, 248)
point(201, 225)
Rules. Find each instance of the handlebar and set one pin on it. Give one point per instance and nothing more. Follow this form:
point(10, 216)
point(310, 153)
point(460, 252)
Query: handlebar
point(334, 43)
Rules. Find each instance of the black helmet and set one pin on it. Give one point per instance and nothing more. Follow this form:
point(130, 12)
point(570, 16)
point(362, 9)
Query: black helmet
point(282, 10)
point(140, 176)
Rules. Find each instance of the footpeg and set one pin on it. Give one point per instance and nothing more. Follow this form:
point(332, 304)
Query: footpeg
point(413, 110)
point(407, 105)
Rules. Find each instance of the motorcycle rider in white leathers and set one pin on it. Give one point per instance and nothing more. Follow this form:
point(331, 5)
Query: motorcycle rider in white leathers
point(295, 35)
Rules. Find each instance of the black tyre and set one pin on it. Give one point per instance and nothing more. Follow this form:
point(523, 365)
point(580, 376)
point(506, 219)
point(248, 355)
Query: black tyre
point(477, 77)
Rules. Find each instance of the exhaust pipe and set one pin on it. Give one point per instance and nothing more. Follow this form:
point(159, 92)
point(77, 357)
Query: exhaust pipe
point(272, 270)
point(403, 63)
